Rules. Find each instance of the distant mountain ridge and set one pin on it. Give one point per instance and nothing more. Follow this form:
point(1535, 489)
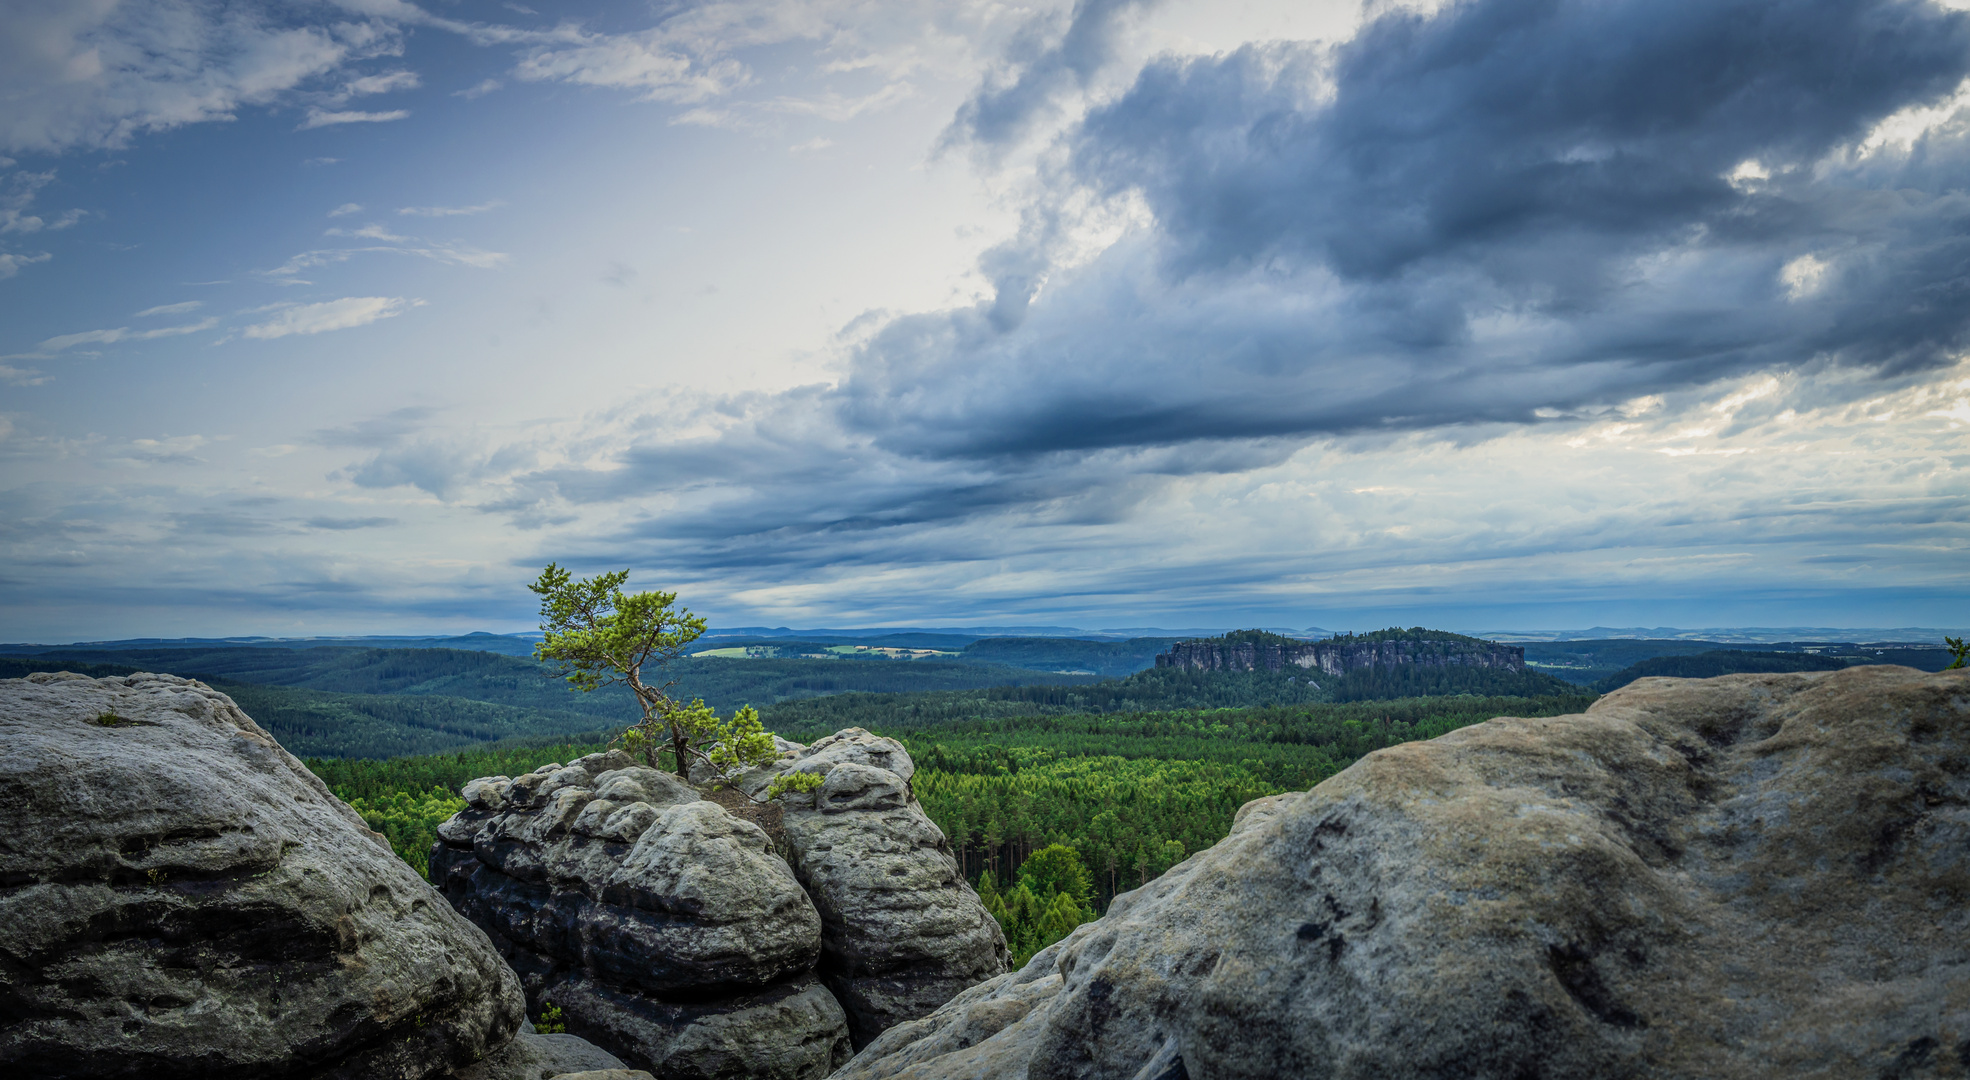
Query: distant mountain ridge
point(1255, 650)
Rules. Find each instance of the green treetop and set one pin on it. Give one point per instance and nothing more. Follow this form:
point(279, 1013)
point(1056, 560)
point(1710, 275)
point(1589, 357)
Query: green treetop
point(1057, 868)
point(597, 635)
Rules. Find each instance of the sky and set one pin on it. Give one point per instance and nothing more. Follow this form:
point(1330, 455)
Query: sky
point(347, 317)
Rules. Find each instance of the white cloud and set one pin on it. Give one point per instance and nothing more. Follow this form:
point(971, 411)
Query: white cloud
point(1804, 275)
point(64, 342)
point(343, 314)
point(479, 90)
point(1903, 129)
point(172, 450)
point(94, 73)
point(170, 309)
point(21, 376)
point(371, 231)
point(18, 194)
point(288, 273)
point(388, 82)
point(11, 263)
point(325, 118)
point(346, 209)
point(450, 211)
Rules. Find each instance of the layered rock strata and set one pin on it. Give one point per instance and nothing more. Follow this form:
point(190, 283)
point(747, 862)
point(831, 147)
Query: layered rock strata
point(668, 932)
point(901, 930)
point(180, 897)
point(685, 940)
point(1755, 876)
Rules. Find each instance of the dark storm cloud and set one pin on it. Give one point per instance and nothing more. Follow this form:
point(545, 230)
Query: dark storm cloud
point(1508, 212)
point(1005, 110)
point(1339, 258)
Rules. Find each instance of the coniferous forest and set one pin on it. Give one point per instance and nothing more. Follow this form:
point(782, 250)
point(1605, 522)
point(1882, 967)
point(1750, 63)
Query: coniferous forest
point(1058, 789)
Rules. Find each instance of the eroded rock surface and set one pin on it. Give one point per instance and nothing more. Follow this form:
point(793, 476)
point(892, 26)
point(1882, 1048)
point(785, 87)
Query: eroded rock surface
point(1755, 876)
point(667, 931)
point(901, 931)
point(180, 897)
point(534, 1056)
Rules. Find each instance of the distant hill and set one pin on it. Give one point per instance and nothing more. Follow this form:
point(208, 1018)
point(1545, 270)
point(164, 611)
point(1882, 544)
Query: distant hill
point(504, 644)
point(353, 702)
point(1588, 662)
point(1343, 654)
point(1167, 688)
point(1707, 665)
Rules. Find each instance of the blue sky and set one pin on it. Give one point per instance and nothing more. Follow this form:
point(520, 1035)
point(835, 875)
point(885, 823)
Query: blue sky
point(1508, 314)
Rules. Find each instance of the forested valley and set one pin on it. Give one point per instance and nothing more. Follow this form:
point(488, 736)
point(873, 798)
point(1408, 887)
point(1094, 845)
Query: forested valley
point(1127, 775)
point(1131, 793)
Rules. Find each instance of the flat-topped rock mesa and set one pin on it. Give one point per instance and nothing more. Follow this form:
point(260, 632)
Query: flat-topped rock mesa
point(1257, 651)
point(1752, 876)
point(180, 897)
point(687, 941)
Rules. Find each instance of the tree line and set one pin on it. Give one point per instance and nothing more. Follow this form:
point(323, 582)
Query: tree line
point(1131, 794)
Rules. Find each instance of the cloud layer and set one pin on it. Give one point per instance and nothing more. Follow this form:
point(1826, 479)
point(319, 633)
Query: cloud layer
point(1508, 213)
point(1489, 303)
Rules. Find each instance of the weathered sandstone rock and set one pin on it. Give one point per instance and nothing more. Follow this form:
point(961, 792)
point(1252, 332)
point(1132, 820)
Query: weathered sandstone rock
point(667, 931)
point(180, 897)
point(533, 1056)
point(901, 931)
point(1752, 876)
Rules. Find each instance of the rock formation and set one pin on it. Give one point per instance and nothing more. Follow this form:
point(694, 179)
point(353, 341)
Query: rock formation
point(679, 937)
point(901, 930)
point(534, 1056)
point(1342, 654)
point(1751, 876)
point(180, 897)
point(668, 932)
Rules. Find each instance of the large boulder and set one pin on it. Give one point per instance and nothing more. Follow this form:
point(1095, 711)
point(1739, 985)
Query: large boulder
point(180, 897)
point(901, 931)
point(536, 1056)
point(1752, 876)
point(667, 931)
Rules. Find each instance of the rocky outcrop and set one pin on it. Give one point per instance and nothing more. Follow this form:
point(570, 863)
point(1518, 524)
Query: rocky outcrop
point(534, 1056)
point(690, 943)
point(1754, 876)
point(668, 932)
point(901, 930)
point(1341, 655)
point(180, 897)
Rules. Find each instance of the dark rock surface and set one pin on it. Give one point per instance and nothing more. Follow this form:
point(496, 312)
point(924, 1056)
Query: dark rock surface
point(1754, 876)
point(533, 1056)
point(180, 897)
point(668, 931)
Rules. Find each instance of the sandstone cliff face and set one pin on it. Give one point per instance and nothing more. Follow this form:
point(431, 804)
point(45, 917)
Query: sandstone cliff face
point(1753, 876)
point(673, 933)
point(180, 897)
point(1337, 658)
